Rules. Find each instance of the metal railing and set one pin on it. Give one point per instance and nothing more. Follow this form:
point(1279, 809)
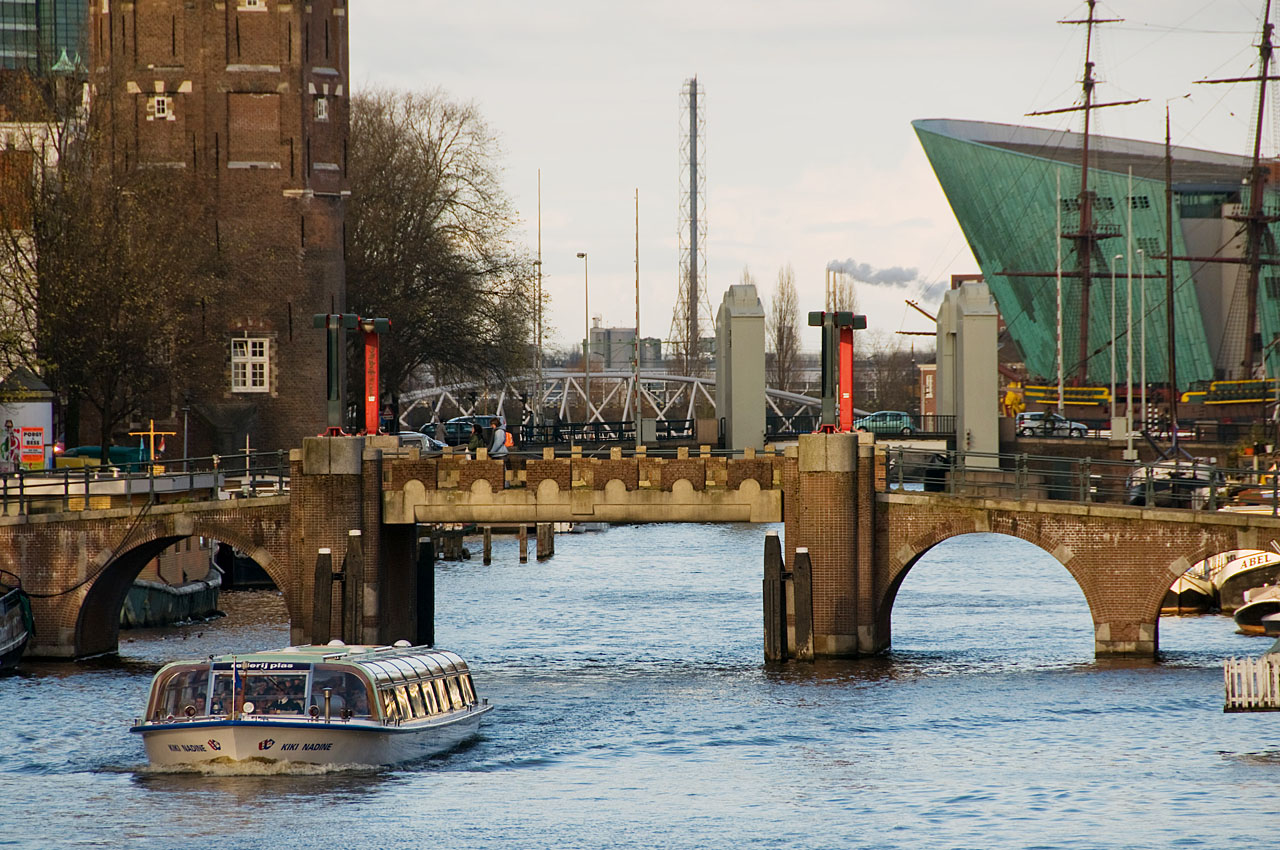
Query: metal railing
point(622, 431)
point(1184, 483)
point(215, 476)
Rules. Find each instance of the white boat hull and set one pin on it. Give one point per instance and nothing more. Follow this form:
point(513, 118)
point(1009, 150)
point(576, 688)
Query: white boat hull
point(305, 741)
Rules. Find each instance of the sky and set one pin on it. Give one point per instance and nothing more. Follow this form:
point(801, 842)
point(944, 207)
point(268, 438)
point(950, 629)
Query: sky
point(810, 158)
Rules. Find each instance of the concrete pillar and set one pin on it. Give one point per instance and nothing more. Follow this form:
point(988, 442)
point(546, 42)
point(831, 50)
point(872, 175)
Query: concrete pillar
point(740, 368)
point(968, 379)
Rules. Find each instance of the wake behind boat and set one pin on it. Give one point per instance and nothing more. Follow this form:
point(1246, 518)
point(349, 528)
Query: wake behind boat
point(334, 704)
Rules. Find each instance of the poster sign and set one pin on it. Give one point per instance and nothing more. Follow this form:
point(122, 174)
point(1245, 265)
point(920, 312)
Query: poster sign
point(33, 448)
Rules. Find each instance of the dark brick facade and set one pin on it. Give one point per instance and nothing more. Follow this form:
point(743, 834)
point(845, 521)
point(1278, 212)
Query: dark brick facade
point(250, 98)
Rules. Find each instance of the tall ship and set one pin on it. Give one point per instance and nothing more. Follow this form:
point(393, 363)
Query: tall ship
point(1051, 215)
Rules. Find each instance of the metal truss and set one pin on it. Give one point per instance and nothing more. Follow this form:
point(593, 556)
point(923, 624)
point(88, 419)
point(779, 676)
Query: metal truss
point(662, 396)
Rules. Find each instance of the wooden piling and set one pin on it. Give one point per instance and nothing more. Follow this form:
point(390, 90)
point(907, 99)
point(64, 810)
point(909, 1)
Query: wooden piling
point(775, 598)
point(546, 540)
point(524, 543)
point(802, 588)
point(426, 601)
point(322, 599)
point(353, 622)
point(488, 545)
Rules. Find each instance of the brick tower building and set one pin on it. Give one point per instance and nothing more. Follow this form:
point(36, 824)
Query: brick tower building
point(249, 96)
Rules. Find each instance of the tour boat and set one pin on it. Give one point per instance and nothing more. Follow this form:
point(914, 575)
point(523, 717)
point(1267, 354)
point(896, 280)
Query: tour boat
point(334, 704)
point(15, 620)
point(1257, 615)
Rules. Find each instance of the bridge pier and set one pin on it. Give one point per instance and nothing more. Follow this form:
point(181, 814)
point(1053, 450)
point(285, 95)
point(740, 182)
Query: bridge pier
point(829, 494)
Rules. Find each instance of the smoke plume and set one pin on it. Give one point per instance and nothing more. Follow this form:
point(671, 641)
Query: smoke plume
point(893, 276)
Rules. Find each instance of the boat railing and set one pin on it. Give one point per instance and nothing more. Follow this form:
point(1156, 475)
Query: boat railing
point(1252, 684)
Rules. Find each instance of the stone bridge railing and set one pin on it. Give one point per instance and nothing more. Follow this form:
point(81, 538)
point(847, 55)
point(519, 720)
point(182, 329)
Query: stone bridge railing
point(689, 487)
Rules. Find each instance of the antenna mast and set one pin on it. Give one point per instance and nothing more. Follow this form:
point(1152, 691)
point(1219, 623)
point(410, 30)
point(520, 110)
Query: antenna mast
point(692, 301)
point(1088, 234)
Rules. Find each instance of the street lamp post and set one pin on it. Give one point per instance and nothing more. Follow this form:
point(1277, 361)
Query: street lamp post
point(586, 340)
point(537, 354)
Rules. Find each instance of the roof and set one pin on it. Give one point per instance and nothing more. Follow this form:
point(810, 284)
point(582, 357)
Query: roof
point(1106, 153)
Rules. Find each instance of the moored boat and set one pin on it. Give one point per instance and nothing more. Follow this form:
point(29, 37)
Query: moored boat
point(1251, 570)
point(15, 621)
point(334, 704)
point(1260, 613)
point(1190, 594)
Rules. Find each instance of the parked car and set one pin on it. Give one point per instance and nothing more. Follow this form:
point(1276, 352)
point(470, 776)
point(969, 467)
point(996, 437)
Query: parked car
point(425, 444)
point(1048, 424)
point(886, 422)
point(457, 431)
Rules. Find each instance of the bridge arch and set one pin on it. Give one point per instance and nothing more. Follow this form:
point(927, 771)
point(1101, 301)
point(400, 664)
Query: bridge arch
point(97, 625)
point(902, 561)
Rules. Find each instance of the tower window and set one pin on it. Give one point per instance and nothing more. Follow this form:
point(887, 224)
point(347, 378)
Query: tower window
point(322, 108)
point(250, 365)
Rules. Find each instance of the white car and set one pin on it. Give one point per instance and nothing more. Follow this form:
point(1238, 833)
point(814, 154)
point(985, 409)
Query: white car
point(1048, 424)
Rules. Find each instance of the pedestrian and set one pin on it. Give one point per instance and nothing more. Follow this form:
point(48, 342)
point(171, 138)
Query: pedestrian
point(499, 447)
point(477, 441)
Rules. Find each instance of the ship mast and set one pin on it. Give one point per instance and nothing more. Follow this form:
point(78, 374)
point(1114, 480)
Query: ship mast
point(1255, 221)
point(1087, 235)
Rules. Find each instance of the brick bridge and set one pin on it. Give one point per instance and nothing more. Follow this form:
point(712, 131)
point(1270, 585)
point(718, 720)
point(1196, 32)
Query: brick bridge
point(861, 543)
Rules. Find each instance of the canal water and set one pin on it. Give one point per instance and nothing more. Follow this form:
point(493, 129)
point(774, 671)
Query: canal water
point(633, 710)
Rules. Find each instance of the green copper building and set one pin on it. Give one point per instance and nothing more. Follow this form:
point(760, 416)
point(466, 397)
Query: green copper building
point(1007, 186)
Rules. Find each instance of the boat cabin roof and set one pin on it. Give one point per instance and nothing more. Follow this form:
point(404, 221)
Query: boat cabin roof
point(383, 664)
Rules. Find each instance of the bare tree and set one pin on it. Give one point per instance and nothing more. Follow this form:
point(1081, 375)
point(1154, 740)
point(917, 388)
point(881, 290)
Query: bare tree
point(846, 300)
point(430, 238)
point(782, 329)
point(889, 380)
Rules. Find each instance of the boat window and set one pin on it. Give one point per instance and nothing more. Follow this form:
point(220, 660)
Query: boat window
point(455, 695)
point(221, 701)
point(429, 697)
point(182, 688)
point(415, 698)
point(442, 694)
point(276, 692)
point(390, 710)
point(468, 691)
point(402, 699)
point(348, 690)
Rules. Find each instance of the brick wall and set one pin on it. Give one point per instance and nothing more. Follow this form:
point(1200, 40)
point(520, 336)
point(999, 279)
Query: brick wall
point(242, 83)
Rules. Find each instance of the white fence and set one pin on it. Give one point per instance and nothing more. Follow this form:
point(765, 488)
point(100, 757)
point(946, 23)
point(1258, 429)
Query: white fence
point(1253, 684)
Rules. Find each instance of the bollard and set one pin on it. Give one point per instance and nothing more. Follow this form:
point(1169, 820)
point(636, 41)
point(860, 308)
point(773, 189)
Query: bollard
point(802, 588)
point(488, 545)
point(426, 601)
point(322, 599)
point(353, 622)
point(775, 601)
point(524, 543)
